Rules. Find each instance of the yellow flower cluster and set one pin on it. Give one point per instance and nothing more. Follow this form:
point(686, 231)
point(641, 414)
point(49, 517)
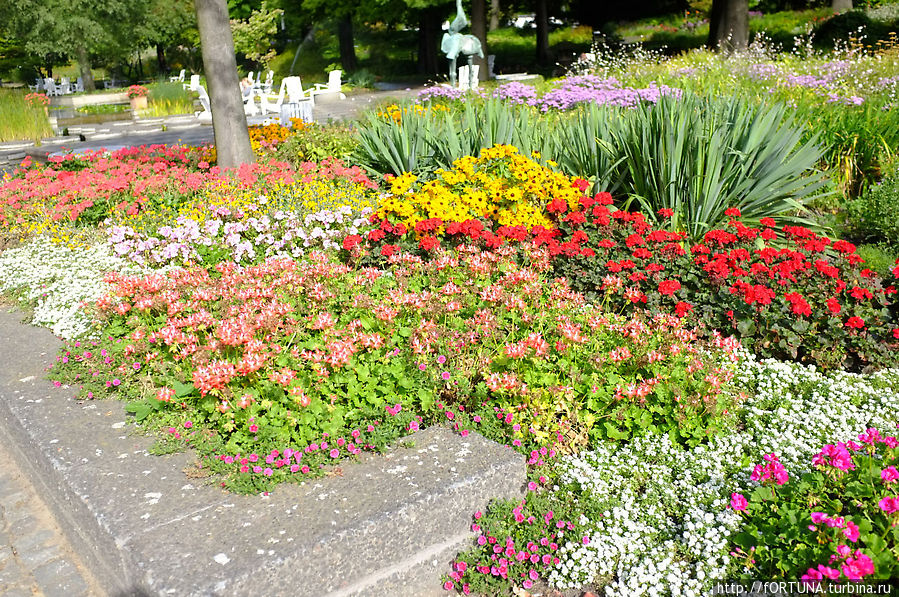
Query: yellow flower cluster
point(264, 139)
point(501, 185)
point(395, 112)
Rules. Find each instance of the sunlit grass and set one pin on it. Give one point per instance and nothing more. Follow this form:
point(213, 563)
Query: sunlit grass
point(19, 121)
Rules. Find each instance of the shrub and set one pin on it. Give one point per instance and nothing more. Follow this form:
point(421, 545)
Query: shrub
point(700, 158)
point(315, 143)
point(873, 217)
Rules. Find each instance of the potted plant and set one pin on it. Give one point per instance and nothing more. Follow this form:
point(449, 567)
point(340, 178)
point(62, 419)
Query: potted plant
point(138, 96)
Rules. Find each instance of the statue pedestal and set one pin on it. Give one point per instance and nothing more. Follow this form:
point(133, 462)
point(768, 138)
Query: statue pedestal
point(464, 81)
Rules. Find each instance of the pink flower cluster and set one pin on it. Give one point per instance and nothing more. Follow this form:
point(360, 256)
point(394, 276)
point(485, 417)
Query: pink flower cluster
point(772, 471)
point(852, 566)
point(521, 562)
point(850, 529)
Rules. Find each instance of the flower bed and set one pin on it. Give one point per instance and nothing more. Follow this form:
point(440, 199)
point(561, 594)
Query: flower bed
point(654, 518)
point(282, 352)
point(787, 293)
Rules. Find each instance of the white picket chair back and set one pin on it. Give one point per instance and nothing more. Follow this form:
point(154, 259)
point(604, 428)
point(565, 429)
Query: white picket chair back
point(204, 98)
point(194, 83)
point(294, 89)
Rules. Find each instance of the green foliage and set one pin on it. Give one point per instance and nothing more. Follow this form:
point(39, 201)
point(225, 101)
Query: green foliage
point(20, 121)
point(700, 157)
point(874, 217)
point(879, 258)
point(252, 37)
point(316, 143)
point(842, 27)
point(792, 527)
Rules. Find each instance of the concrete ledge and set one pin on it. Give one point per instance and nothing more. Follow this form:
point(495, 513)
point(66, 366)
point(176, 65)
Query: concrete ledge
point(89, 99)
point(388, 525)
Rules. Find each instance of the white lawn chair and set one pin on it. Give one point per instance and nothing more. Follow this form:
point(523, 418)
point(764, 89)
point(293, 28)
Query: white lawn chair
point(79, 86)
point(332, 89)
point(194, 83)
point(65, 86)
point(38, 85)
point(50, 86)
point(269, 80)
point(251, 78)
point(179, 78)
point(292, 91)
point(206, 114)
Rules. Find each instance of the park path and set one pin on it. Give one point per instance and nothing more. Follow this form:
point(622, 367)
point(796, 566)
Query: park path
point(181, 129)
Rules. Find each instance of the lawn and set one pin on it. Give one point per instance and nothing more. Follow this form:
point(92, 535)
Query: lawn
point(670, 283)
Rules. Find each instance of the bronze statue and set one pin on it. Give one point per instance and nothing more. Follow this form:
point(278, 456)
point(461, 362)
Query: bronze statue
point(454, 43)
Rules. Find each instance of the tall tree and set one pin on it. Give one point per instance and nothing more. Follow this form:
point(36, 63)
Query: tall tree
point(494, 15)
point(541, 19)
point(479, 30)
point(229, 122)
point(346, 44)
point(167, 23)
point(729, 25)
point(841, 5)
point(76, 28)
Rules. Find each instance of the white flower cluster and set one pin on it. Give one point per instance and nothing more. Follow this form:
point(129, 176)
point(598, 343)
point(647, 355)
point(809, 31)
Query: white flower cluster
point(665, 524)
point(57, 280)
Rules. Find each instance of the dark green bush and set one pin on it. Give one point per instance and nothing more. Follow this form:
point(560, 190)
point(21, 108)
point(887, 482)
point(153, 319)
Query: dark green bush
point(873, 217)
point(842, 27)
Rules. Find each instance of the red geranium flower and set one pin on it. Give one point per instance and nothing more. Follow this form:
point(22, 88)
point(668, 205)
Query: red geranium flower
point(350, 242)
point(733, 212)
point(855, 322)
point(668, 287)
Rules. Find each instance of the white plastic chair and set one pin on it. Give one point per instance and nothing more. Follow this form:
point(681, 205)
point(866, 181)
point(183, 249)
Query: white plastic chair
point(179, 78)
point(269, 80)
point(79, 86)
point(206, 114)
point(291, 91)
point(194, 83)
point(65, 86)
point(50, 86)
point(333, 86)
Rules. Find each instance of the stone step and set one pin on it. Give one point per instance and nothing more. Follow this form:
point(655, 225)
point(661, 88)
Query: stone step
point(386, 525)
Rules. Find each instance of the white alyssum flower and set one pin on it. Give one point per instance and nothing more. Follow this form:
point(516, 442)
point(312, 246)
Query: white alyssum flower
point(57, 280)
point(665, 524)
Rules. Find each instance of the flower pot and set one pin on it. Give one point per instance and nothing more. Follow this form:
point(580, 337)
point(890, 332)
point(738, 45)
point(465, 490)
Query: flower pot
point(139, 102)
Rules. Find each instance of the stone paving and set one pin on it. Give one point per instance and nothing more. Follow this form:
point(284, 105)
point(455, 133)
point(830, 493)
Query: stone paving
point(35, 558)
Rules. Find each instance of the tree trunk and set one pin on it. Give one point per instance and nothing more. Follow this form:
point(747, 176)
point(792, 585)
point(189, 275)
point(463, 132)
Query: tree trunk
point(541, 19)
point(729, 25)
point(479, 30)
point(229, 122)
point(494, 15)
point(161, 63)
point(428, 43)
point(345, 41)
point(84, 64)
point(841, 5)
